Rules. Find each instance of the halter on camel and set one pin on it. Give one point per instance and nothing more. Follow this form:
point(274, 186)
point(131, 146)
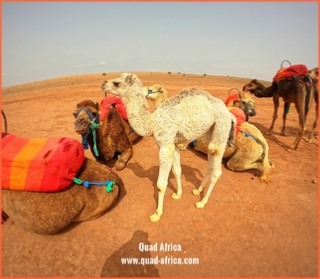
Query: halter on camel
point(237, 97)
point(151, 92)
point(94, 125)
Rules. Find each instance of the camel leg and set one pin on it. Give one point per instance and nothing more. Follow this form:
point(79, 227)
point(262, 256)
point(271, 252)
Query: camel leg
point(302, 124)
point(166, 154)
point(214, 169)
point(286, 108)
point(176, 170)
point(275, 113)
point(315, 125)
point(123, 158)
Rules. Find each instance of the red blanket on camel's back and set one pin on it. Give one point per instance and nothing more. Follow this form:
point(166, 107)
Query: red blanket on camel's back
point(106, 104)
point(292, 71)
point(40, 164)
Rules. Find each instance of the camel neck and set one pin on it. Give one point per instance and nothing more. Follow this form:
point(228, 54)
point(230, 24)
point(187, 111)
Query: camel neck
point(138, 115)
point(263, 91)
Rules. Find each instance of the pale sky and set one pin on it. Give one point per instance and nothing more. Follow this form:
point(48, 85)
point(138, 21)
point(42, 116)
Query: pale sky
point(43, 40)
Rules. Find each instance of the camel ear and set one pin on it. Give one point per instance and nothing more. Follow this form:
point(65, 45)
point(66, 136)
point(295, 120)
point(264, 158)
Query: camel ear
point(130, 78)
point(97, 106)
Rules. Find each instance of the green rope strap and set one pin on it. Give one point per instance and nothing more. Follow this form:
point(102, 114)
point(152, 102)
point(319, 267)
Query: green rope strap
point(94, 126)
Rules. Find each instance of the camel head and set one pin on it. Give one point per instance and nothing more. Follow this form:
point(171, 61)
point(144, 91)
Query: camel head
point(156, 92)
point(251, 86)
point(87, 114)
point(121, 85)
point(247, 103)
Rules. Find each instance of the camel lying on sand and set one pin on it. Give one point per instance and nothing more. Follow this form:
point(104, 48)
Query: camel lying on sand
point(177, 121)
point(297, 90)
point(106, 139)
point(48, 213)
point(250, 149)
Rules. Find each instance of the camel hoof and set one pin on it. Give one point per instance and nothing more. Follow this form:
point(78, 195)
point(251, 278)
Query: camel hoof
point(264, 179)
point(175, 196)
point(119, 166)
point(268, 133)
point(200, 204)
point(154, 218)
point(196, 192)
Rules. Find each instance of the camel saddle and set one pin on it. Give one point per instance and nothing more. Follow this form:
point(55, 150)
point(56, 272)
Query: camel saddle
point(290, 72)
point(239, 115)
point(40, 164)
point(110, 101)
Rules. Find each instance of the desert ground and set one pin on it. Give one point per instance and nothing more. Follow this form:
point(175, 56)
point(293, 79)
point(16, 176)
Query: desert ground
point(247, 229)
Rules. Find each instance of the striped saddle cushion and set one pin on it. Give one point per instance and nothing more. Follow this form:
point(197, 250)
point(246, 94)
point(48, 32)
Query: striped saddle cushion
point(40, 164)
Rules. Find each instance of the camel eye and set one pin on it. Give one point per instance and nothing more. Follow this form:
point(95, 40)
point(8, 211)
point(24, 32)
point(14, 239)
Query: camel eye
point(116, 83)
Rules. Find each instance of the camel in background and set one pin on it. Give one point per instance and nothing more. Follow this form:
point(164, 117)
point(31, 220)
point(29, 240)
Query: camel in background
point(295, 90)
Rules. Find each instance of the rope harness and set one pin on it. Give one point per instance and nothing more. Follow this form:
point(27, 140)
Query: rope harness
point(151, 92)
point(109, 184)
point(93, 126)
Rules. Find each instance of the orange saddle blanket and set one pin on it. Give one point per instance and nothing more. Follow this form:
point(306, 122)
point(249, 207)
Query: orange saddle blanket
point(40, 164)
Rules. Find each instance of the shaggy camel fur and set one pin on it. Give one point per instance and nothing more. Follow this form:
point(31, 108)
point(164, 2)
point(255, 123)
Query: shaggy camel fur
point(293, 90)
point(250, 149)
point(111, 136)
point(243, 100)
point(156, 92)
point(48, 213)
point(314, 74)
point(193, 113)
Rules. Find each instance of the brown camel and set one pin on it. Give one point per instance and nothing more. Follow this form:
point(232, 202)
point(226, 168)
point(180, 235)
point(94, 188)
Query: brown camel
point(48, 213)
point(292, 90)
point(106, 139)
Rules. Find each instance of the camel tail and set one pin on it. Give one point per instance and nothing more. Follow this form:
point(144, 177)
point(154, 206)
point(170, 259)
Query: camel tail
point(232, 133)
point(266, 163)
point(309, 96)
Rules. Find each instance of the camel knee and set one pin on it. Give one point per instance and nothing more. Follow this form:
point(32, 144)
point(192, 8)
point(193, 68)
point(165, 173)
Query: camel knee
point(161, 188)
point(214, 150)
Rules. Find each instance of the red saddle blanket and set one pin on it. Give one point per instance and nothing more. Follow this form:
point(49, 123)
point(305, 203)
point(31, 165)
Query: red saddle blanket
point(106, 104)
point(232, 98)
point(292, 71)
point(240, 116)
point(40, 164)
